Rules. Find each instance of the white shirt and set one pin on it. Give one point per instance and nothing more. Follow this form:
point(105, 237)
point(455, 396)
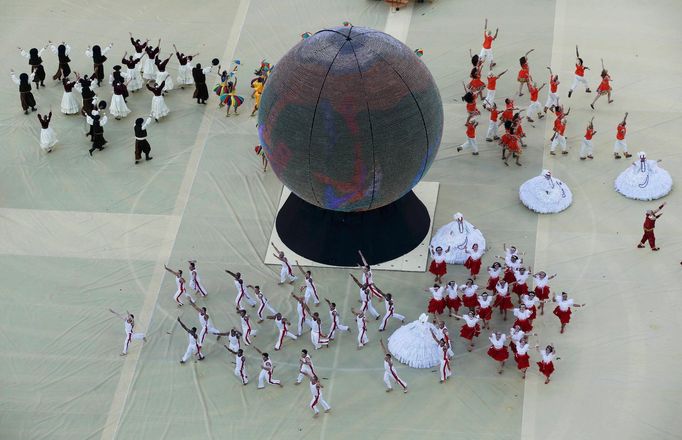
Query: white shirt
point(540, 282)
point(522, 349)
point(245, 321)
point(564, 306)
point(240, 362)
point(102, 120)
point(367, 277)
point(389, 306)
point(521, 277)
point(547, 358)
point(498, 343)
point(40, 52)
point(204, 322)
point(54, 49)
point(279, 323)
point(128, 327)
point(314, 390)
point(475, 255)
point(361, 323)
point(88, 52)
point(522, 315)
point(180, 284)
point(387, 367)
point(438, 258)
point(192, 340)
point(528, 302)
point(267, 365)
point(485, 303)
point(469, 291)
point(234, 342)
point(471, 322)
point(516, 336)
point(451, 290)
point(437, 293)
point(502, 291)
point(309, 284)
point(16, 80)
point(316, 326)
point(334, 316)
point(494, 273)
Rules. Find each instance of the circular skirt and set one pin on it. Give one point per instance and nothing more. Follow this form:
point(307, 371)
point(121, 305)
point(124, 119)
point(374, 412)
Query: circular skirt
point(500, 355)
point(538, 195)
point(542, 293)
point(524, 324)
point(436, 306)
point(453, 303)
point(485, 314)
point(503, 302)
point(470, 301)
point(469, 332)
point(438, 269)
point(651, 185)
point(492, 282)
point(413, 345)
point(522, 361)
point(564, 317)
point(546, 369)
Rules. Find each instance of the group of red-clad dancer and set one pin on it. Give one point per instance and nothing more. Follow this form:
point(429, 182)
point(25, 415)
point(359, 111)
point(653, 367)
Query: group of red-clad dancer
point(511, 117)
point(503, 280)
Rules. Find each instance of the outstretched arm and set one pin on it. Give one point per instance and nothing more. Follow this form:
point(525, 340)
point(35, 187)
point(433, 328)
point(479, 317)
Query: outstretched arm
point(183, 325)
point(528, 53)
point(356, 281)
point(231, 273)
point(362, 257)
point(118, 314)
point(656, 211)
point(194, 306)
point(171, 270)
point(257, 349)
point(503, 72)
point(275, 248)
point(383, 347)
point(228, 349)
point(300, 268)
point(625, 117)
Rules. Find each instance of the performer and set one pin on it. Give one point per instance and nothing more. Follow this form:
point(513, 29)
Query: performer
point(242, 293)
point(534, 107)
point(206, 325)
point(285, 272)
point(118, 107)
point(138, 45)
point(524, 76)
point(305, 367)
point(282, 329)
point(586, 147)
point(24, 83)
point(470, 125)
point(317, 338)
point(132, 73)
point(542, 288)
point(142, 146)
point(161, 75)
point(649, 224)
point(520, 281)
point(438, 266)
point(444, 369)
point(620, 144)
point(62, 51)
point(69, 105)
point(503, 299)
point(491, 134)
point(498, 350)
point(473, 262)
point(97, 121)
point(470, 328)
point(579, 77)
point(233, 337)
point(267, 368)
point(558, 138)
point(475, 85)
point(546, 365)
point(563, 308)
point(452, 299)
point(36, 63)
point(240, 364)
point(494, 273)
point(88, 96)
point(247, 331)
point(545, 194)
point(159, 108)
point(491, 86)
point(310, 289)
point(257, 85)
point(436, 304)
point(182, 291)
point(301, 308)
point(368, 279)
point(515, 335)
point(470, 99)
point(521, 356)
point(232, 100)
point(604, 87)
point(48, 138)
point(390, 313)
point(98, 59)
point(335, 321)
point(366, 297)
point(185, 69)
point(200, 88)
point(644, 180)
point(193, 347)
point(316, 391)
point(523, 318)
point(149, 67)
point(553, 96)
point(487, 49)
point(129, 324)
point(444, 333)
point(485, 311)
point(363, 339)
point(260, 151)
point(390, 374)
point(469, 298)
point(263, 302)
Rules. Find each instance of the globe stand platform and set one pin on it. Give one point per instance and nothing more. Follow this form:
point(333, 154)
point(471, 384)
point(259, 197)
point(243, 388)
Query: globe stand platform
point(394, 237)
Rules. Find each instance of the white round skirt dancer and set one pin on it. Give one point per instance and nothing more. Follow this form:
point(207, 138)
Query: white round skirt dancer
point(644, 180)
point(118, 107)
point(164, 76)
point(69, 105)
point(185, 75)
point(459, 236)
point(413, 345)
point(134, 79)
point(159, 108)
point(149, 69)
point(48, 139)
point(545, 194)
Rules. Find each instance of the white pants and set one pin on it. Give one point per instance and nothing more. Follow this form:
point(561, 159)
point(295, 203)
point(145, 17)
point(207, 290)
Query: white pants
point(248, 298)
point(533, 109)
point(586, 148)
point(204, 330)
point(559, 140)
point(388, 315)
point(187, 295)
point(266, 376)
point(280, 338)
point(247, 334)
point(445, 371)
point(392, 376)
point(130, 337)
point(362, 337)
point(367, 306)
point(492, 130)
point(319, 400)
point(336, 326)
point(485, 54)
point(579, 80)
point(284, 275)
point(303, 372)
point(552, 100)
point(471, 142)
point(264, 306)
point(310, 293)
point(191, 349)
point(490, 97)
point(241, 375)
point(317, 340)
point(301, 321)
point(620, 145)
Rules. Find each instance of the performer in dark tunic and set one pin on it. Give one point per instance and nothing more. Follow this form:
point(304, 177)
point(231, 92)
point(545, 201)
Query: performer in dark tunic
point(149, 68)
point(117, 77)
point(27, 99)
point(200, 89)
point(98, 59)
point(36, 63)
point(162, 75)
point(133, 73)
point(86, 93)
point(141, 144)
point(138, 45)
point(97, 123)
point(62, 51)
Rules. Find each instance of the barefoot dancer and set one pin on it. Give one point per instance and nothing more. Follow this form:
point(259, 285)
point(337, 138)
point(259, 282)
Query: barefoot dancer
point(285, 273)
point(390, 374)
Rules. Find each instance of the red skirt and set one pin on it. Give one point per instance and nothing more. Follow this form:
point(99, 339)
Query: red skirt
point(542, 293)
point(603, 88)
point(485, 314)
point(523, 75)
point(453, 303)
point(520, 289)
point(492, 282)
point(438, 269)
point(469, 332)
point(512, 347)
point(436, 306)
point(503, 302)
point(533, 313)
point(524, 324)
point(470, 301)
point(522, 361)
point(564, 317)
point(500, 355)
point(509, 276)
point(474, 266)
point(546, 369)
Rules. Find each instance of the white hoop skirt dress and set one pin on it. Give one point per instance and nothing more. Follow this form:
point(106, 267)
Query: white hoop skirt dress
point(413, 345)
point(458, 237)
point(546, 195)
point(644, 181)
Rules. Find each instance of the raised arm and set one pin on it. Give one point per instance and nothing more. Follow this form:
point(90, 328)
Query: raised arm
point(300, 268)
point(183, 325)
point(577, 54)
point(383, 347)
point(117, 314)
point(275, 248)
point(231, 273)
point(625, 117)
point(356, 281)
point(528, 53)
point(362, 257)
point(542, 86)
point(257, 349)
point(228, 349)
point(194, 306)
point(171, 270)
point(657, 210)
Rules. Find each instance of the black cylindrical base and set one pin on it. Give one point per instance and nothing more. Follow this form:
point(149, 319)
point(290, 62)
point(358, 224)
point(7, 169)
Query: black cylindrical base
point(334, 238)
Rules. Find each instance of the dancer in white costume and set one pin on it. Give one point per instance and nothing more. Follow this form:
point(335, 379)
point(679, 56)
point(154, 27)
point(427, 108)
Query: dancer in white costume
point(182, 290)
point(263, 303)
point(149, 67)
point(206, 325)
point(132, 74)
point(368, 279)
point(316, 391)
point(305, 367)
point(285, 272)
point(390, 375)
point(310, 287)
point(335, 321)
point(317, 338)
point(413, 345)
point(185, 70)
point(193, 347)
point(69, 104)
point(129, 322)
point(194, 280)
point(159, 107)
point(282, 330)
point(118, 107)
point(239, 364)
point(363, 339)
point(644, 180)
point(458, 236)
point(247, 330)
point(444, 370)
point(233, 338)
point(267, 368)
point(48, 138)
point(390, 313)
point(366, 298)
point(303, 314)
point(545, 194)
point(242, 292)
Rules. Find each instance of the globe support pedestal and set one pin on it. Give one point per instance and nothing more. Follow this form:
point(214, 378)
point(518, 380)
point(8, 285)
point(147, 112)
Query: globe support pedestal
point(334, 238)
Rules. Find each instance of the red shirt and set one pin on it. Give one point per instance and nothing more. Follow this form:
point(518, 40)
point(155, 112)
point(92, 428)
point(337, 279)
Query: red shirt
point(533, 94)
point(487, 41)
point(471, 130)
point(649, 223)
point(471, 107)
point(579, 70)
point(621, 132)
point(559, 127)
point(553, 85)
point(476, 84)
point(493, 115)
point(492, 82)
point(588, 134)
point(509, 105)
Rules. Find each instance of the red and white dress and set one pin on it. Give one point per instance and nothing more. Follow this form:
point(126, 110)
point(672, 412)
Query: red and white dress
point(438, 265)
point(445, 371)
point(493, 278)
point(563, 309)
point(469, 297)
point(503, 300)
point(523, 320)
point(516, 336)
point(452, 299)
point(541, 287)
point(520, 285)
point(470, 327)
point(531, 304)
point(498, 350)
point(510, 267)
point(473, 262)
point(436, 303)
point(521, 356)
point(485, 310)
point(604, 86)
point(546, 365)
